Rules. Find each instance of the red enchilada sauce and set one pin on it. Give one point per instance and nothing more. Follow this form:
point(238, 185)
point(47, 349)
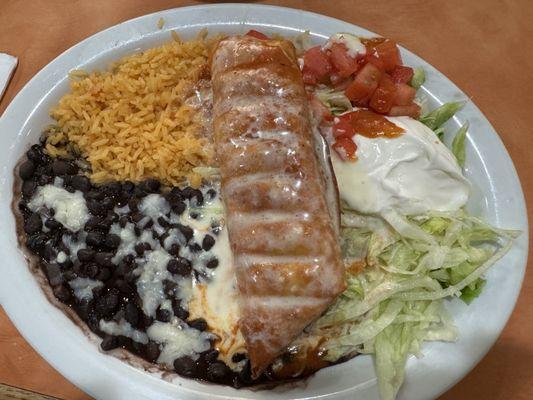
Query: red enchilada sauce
point(360, 122)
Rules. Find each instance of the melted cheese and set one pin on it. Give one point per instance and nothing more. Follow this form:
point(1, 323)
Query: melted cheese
point(123, 328)
point(83, 287)
point(177, 340)
point(70, 208)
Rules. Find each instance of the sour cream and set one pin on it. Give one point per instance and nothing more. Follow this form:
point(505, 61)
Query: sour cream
point(352, 43)
point(410, 174)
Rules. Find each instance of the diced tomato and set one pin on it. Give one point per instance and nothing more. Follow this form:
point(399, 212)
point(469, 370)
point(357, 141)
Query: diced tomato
point(342, 85)
point(345, 148)
point(401, 74)
point(383, 98)
point(316, 64)
point(343, 127)
point(411, 110)
point(384, 55)
point(405, 94)
point(257, 34)
point(365, 83)
point(342, 62)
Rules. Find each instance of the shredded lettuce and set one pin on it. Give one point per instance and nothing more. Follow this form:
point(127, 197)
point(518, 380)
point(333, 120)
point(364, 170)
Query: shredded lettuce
point(438, 117)
point(397, 302)
point(419, 77)
point(458, 145)
point(335, 101)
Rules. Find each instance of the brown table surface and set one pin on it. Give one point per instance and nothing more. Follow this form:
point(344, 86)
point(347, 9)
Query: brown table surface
point(483, 46)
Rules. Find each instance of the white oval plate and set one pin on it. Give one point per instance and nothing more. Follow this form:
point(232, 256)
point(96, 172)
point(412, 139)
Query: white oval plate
point(498, 198)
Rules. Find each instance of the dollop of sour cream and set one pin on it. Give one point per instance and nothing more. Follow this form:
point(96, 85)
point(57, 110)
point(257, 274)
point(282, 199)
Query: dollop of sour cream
point(411, 174)
point(352, 43)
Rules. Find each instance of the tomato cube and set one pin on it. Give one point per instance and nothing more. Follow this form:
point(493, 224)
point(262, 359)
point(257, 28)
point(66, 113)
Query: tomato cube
point(405, 94)
point(385, 55)
point(402, 74)
point(363, 86)
point(341, 61)
point(317, 64)
point(383, 98)
point(345, 148)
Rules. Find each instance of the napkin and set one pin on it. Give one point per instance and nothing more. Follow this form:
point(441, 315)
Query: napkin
point(7, 66)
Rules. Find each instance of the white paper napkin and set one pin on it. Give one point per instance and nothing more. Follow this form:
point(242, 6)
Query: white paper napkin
point(7, 66)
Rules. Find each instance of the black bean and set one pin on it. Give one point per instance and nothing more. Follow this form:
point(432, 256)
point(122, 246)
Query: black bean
point(95, 207)
point(176, 191)
point(139, 192)
point(36, 155)
point(208, 242)
point(91, 270)
point(44, 180)
point(194, 215)
point(169, 287)
point(124, 286)
point(210, 355)
point(33, 224)
point(163, 315)
point(103, 259)
point(213, 263)
point(199, 324)
point(111, 217)
point(198, 197)
point(112, 188)
point(187, 193)
point(174, 250)
point(107, 304)
point(124, 341)
point(61, 293)
point(179, 312)
point(96, 224)
point(109, 343)
point(245, 374)
point(146, 320)
point(238, 357)
point(60, 167)
point(53, 273)
point(26, 170)
point(173, 198)
point(52, 224)
point(95, 194)
point(215, 228)
point(211, 194)
point(108, 203)
point(49, 252)
point(131, 314)
point(128, 259)
point(85, 255)
point(133, 204)
point(128, 187)
point(163, 222)
point(36, 242)
point(104, 274)
point(152, 351)
point(141, 247)
point(179, 207)
point(186, 231)
point(95, 239)
point(123, 221)
point(150, 185)
point(112, 241)
point(185, 366)
point(80, 183)
point(28, 188)
point(180, 266)
point(217, 371)
point(195, 247)
point(136, 217)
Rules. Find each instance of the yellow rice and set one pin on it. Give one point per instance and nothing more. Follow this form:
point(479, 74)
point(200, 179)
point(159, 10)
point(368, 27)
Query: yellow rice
point(131, 123)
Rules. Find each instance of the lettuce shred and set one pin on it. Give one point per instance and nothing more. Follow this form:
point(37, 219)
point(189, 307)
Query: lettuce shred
point(335, 101)
point(397, 302)
point(419, 77)
point(436, 119)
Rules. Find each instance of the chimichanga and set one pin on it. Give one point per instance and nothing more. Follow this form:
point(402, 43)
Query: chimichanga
point(283, 238)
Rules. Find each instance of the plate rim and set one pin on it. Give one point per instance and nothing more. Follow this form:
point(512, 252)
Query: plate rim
point(41, 73)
